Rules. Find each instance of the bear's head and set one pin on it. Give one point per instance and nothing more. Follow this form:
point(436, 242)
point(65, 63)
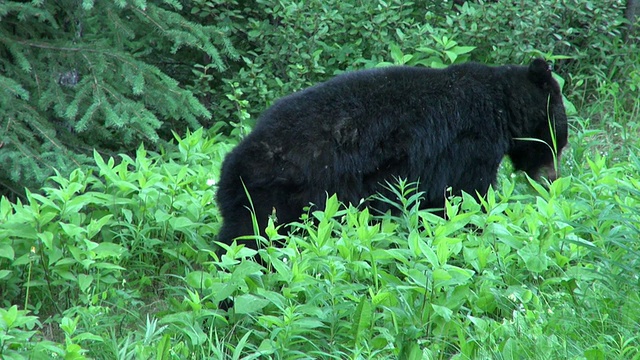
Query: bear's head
point(538, 120)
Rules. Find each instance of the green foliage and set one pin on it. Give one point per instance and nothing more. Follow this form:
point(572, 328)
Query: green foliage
point(108, 75)
point(585, 39)
point(70, 248)
point(288, 46)
point(119, 259)
point(513, 30)
point(524, 273)
point(291, 45)
point(84, 75)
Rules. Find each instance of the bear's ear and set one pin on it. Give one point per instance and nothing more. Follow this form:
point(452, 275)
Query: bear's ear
point(540, 72)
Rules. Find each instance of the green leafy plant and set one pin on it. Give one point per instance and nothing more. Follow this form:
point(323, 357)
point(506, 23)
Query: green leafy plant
point(120, 260)
point(446, 51)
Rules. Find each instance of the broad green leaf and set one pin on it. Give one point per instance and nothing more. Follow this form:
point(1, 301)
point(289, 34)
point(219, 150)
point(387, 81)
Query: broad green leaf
point(95, 226)
point(84, 281)
point(72, 230)
point(332, 206)
point(425, 250)
point(443, 311)
point(361, 320)
point(9, 316)
point(163, 349)
point(534, 260)
point(199, 279)
point(396, 54)
point(6, 251)
point(4, 273)
point(108, 249)
point(249, 304)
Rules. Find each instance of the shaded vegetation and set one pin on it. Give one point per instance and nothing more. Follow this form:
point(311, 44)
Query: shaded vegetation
point(117, 258)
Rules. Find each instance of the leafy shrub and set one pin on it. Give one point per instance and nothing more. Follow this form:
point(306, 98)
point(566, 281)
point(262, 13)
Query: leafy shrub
point(121, 262)
point(69, 252)
point(292, 45)
point(588, 41)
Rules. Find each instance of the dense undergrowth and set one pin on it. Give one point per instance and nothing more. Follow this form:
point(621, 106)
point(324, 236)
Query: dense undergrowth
point(120, 263)
point(119, 260)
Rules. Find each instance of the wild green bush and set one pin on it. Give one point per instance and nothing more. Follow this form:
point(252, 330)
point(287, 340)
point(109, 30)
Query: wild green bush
point(67, 255)
point(287, 46)
point(121, 262)
point(589, 43)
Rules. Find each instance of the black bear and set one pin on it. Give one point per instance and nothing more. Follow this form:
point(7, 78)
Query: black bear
point(352, 134)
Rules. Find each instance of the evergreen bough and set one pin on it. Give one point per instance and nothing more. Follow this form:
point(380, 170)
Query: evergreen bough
point(83, 75)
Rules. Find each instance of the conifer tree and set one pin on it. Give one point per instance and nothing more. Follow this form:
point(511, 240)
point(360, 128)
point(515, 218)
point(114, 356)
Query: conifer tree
point(77, 75)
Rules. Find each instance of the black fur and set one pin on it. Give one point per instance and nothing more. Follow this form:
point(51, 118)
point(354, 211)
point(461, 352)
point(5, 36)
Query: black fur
point(351, 134)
